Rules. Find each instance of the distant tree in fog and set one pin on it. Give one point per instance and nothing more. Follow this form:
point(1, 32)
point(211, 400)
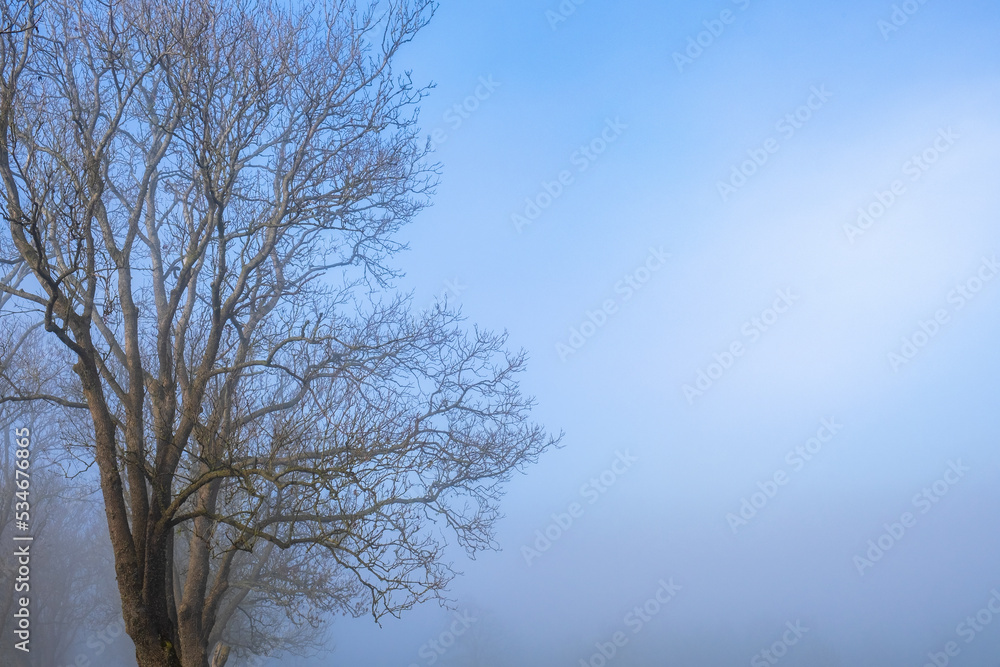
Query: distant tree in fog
point(72, 578)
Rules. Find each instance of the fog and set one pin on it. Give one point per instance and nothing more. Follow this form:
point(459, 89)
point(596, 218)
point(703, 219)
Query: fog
point(806, 555)
point(778, 389)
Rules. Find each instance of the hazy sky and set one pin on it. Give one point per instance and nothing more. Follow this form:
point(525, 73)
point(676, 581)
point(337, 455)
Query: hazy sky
point(797, 219)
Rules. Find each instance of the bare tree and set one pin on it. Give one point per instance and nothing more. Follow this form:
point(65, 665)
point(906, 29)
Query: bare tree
point(202, 199)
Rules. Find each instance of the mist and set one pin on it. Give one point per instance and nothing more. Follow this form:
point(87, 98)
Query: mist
point(758, 280)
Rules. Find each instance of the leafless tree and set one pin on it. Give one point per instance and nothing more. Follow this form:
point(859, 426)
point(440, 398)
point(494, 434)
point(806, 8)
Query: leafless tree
point(202, 199)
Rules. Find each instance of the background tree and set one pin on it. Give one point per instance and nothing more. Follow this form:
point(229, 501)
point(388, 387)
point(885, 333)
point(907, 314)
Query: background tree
point(204, 196)
point(71, 588)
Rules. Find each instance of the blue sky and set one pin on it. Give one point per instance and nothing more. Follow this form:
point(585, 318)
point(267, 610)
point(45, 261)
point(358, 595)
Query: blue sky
point(913, 108)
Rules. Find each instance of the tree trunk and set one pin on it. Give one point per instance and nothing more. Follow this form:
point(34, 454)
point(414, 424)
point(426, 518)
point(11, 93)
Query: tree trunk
point(154, 646)
point(221, 655)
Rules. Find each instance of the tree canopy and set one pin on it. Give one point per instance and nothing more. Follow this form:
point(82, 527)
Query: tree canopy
point(202, 201)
